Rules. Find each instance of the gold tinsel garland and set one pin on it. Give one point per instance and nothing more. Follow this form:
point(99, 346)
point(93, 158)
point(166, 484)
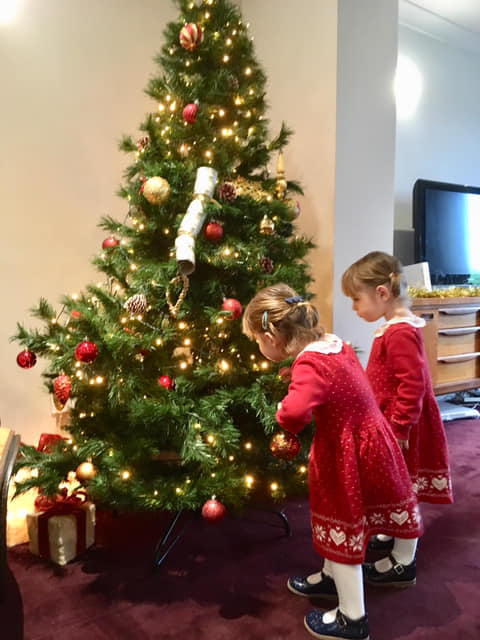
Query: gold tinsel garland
point(454, 292)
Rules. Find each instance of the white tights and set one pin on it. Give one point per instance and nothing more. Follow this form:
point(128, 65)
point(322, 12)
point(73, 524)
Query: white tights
point(348, 580)
point(403, 551)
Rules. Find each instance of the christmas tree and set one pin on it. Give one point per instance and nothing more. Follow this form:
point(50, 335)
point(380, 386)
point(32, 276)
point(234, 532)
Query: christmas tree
point(168, 403)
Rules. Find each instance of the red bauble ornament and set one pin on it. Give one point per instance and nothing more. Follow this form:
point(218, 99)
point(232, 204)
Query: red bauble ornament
point(26, 359)
point(86, 351)
point(190, 113)
point(285, 445)
point(213, 231)
point(234, 306)
point(110, 242)
point(213, 510)
point(191, 35)
point(62, 385)
point(75, 315)
point(167, 382)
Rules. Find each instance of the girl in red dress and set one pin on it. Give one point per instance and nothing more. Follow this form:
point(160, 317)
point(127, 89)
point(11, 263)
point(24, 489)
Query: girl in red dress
point(398, 373)
point(358, 480)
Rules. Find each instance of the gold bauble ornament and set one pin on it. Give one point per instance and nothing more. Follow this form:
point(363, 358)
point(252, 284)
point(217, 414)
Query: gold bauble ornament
point(86, 471)
point(156, 190)
point(293, 208)
point(267, 226)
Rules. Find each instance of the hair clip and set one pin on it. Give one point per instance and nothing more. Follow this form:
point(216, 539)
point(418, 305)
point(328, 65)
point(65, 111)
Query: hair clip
point(265, 321)
point(294, 300)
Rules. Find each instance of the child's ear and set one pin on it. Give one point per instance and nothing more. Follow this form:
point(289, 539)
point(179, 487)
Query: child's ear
point(383, 292)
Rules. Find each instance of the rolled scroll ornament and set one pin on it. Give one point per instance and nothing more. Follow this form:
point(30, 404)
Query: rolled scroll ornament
point(194, 218)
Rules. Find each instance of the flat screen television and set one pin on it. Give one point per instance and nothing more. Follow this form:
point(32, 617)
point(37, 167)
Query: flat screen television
point(446, 220)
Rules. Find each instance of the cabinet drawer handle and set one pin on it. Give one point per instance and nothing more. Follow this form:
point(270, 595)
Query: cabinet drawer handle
point(427, 316)
point(461, 358)
point(459, 311)
point(458, 332)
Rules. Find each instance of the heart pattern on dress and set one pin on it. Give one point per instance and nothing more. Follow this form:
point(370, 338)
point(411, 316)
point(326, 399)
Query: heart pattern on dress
point(338, 537)
point(440, 483)
point(399, 518)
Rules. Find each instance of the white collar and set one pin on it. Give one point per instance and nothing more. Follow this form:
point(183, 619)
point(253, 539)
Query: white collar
point(414, 321)
point(330, 343)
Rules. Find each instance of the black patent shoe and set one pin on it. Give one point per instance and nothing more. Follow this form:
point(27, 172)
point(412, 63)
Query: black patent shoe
point(399, 576)
point(341, 627)
point(375, 544)
point(323, 589)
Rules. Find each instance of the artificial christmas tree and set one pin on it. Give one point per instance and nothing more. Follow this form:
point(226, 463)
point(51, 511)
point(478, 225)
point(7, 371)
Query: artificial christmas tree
point(170, 403)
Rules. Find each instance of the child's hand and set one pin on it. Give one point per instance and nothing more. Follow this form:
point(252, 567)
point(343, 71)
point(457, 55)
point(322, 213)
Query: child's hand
point(403, 444)
point(285, 374)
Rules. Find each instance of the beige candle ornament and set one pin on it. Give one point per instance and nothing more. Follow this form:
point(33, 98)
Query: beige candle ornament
point(281, 183)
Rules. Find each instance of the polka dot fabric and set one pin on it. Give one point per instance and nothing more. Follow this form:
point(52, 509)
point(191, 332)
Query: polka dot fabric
point(398, 373)
point(359, 482)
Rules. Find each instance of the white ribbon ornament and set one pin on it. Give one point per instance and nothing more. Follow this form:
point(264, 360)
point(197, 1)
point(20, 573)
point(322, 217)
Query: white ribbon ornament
point(194, 218)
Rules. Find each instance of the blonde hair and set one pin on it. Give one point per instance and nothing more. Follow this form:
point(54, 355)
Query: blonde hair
point(374, 269)
point(279, 310)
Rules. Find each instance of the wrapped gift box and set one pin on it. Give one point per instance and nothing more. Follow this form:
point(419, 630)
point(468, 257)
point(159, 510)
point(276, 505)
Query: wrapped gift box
point(62, 532)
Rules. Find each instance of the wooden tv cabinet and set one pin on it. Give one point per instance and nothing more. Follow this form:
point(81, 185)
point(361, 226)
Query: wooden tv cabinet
point(452, 341)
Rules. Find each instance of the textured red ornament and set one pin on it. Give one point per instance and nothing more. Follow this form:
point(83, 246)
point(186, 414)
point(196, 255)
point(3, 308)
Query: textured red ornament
point(166, 381)
point(62, 385)
point(285, 445)
point(86, 351)
point(191, 35)
point(190, 113)
point(26, 359)
point(213, 231)
point(110, 242)
point(234, 306)
point(213, 510)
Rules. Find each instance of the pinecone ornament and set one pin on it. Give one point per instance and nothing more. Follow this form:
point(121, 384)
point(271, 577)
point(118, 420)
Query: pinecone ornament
point(227, 192)
point(266, 264)
point(136, 304)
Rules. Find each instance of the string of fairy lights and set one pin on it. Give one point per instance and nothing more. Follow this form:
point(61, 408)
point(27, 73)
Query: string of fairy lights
point(234, 123)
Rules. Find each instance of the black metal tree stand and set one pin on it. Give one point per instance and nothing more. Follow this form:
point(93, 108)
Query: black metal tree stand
point(175, 529)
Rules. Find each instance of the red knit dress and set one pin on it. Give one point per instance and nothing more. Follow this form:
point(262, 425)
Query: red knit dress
point(398, 373)
point(359, 483)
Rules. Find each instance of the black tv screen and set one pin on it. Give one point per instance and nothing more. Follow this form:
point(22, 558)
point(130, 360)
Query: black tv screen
point(446, 220)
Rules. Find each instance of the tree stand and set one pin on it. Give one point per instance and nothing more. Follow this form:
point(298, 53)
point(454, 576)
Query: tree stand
point(166, 544)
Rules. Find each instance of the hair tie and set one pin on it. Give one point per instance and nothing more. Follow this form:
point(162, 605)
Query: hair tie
point(294, 300)
point(265, 321)
point(391, 275)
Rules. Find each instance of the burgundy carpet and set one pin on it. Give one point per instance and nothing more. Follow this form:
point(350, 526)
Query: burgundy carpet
point(227, 581)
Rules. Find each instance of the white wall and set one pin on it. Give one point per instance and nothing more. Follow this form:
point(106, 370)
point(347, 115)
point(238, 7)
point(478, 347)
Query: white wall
point(299, 51)
point(73, 75)
point(441, 141)
point(367, 51)
point(73, 78)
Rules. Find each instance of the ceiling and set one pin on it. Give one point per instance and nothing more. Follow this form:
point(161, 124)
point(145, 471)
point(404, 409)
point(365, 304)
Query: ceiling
point(456, 22)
